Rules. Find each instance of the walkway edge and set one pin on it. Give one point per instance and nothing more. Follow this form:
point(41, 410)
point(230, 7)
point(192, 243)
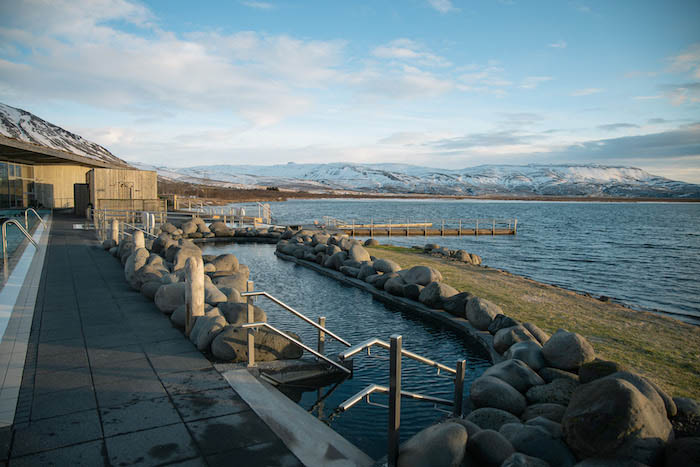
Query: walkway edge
point(311, 441)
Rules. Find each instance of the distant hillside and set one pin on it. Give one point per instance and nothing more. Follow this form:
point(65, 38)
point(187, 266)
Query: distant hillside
point(590, 180)
point(25, 126)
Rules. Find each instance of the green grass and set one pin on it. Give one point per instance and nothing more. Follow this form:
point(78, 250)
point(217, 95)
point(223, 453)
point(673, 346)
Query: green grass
point(663, 349)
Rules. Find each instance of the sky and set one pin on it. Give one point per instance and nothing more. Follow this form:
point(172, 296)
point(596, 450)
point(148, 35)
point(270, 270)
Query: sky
point(439, 83)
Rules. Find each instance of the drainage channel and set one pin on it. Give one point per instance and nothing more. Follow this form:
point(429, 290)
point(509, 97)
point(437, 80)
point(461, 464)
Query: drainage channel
point(356, 316)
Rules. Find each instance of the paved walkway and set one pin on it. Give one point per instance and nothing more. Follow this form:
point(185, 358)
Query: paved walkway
point(108, 381)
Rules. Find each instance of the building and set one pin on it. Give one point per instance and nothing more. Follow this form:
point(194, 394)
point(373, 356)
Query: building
point(35, 175)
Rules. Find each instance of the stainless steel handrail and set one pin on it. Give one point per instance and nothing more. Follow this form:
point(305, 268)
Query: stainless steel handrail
point(4, 235)
point(372, 388)
point(295, 341)
point(406, 353)
point(295, 313)
point(26, 220)
point(138, 228)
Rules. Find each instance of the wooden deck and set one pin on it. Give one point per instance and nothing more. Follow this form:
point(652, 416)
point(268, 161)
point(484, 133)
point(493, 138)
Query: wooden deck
point(396, 231)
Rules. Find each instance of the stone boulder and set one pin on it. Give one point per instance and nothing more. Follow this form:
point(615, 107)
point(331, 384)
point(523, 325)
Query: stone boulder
point(596, 369)
point(350, 272)
point(437, 445)
point(365, 271)
point(336, 260)
point(182, 254)
point(611, 417)
point(489, 448)
point(567, 350)
point(650, 390)
point(516, 373)
point(371, 242)
point(551, 411)
point(456, 305)
point(206, 328)
point(421, 275)
point(384, 278)
point(386, 265)
point(226, 262)
point(435, 294)
point(237, 280)
point(550, 374)
point(518, 459)
point(180, 314)
point(358, 253)
point(489, 391)
point(237, 313)
point(538, 333)
point(134, 262)
point(149, 289)
point(231, 345)
point(188, 227)
point(686, 422)
point(412, 291)
point(529, 352)
point(684, 451)
point(395, 286)
point(232, 295)
point(538, 442)
point(168, 228)
point(480, 312)
point(499, 322)
point(558, 391)
point(506, 337)
point(212, 295)
point(488, 418)
point(170, 296)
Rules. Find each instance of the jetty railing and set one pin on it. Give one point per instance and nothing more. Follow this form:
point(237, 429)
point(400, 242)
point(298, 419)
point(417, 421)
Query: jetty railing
point(396, 352)
point(426, 227)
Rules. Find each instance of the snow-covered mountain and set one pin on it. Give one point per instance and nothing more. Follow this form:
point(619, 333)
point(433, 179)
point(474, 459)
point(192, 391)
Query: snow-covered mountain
point(25, 126)
point(590, 180)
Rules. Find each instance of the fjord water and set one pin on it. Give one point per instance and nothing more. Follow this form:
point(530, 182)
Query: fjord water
point(645, 255)
point(355, 316)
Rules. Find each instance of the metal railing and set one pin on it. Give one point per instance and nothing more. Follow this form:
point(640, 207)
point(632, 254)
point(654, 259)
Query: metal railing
point(416, 227)
point(26, 219)
point(396, 393)
point(4, 240)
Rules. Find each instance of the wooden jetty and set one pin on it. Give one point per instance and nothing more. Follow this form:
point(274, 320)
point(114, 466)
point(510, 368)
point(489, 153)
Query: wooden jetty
point(442, 228)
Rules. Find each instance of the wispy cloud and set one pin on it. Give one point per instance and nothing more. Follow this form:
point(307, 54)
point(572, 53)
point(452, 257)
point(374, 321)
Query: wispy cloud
point(531, 82)
point(641, 74)
point(443, 6)
point(617, 126)
point(406, 49)
point(586, 92)
point(486, 79)
point(687, 61)
point(648, 98)
point(258, 5)
point(558, 45)
point(683, 93)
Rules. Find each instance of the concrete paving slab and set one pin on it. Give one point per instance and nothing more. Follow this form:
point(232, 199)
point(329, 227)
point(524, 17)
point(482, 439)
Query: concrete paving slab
point(208, 404)
point(101, 357)
point(186, 382)
point(220, 434)
point(56, 432)
point(152, 447)
point(270, 454)
point(54, 404)
point(139, 415)
point(62, 380)
point(193, 360)
point(85, 454)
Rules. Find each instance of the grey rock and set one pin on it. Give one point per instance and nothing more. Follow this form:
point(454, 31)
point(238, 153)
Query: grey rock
point(551, 411)
point(538, 442)
point(134, 262)
point(598, 368)
point(610, 417)
point(421, 275)
point(499, 322)
point(647, 388)
point(538, 333)
point(382, 280)
point(435, 294)
point(371, 242)
point(212, 295)
point(441, 444)
point(149, 289)
point(206, 328)
point(179, 315)
point(506, 337)
point(412, 291)
point(226, 262)
point(358, 253)
point(549, 374)
point(516, 373)
point(683, 452)
point(231, 345)
point(456, 305)
point(489, 418)
point(237, 313)
point(182, 254)
point(336, 260)
point(170, 296)
point(188, 227)
point(386, 265)
point(567, 350)
point(488, 391)
point(237, 280)
point(489, 448)
point(349, 271)
point(395, 286)
point(558, 391)
point(529, 352)
point(471, 427)
point(518, 459)
point(480, 312)
point(609, 462)
point(365, 271)
point(554, 428)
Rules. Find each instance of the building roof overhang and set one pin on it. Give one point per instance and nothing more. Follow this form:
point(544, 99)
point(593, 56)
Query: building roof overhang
point(13, 150)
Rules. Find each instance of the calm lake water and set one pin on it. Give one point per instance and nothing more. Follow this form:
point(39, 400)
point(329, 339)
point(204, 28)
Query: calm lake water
point(646, 255)
point(355, 316)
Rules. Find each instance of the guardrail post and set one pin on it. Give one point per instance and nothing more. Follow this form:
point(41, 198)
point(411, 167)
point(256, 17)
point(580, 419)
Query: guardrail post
point(115, 231)
point(476, 230)
point(493, 228)
point(442, 228)
point(408, 226)
point(515, 226)
point(394, 400)
point(194, 291)
point(460, 227)
point(390, 227)
point(321, 335)
point(459, 388)
point(250, 337)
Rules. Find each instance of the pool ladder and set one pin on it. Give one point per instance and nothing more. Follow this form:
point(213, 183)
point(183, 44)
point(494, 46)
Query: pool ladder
point(23, 229)
point(396, 352)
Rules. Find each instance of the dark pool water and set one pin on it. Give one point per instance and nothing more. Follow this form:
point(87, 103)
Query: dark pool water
point(356, 316)
point(646, 255)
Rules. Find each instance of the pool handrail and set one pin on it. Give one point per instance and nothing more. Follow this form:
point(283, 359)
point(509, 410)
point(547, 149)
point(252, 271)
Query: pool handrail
point(297, 342)
point(21, 229)
point(296, 313)
point(406, 353)
point(372, 388)
point(26, 220)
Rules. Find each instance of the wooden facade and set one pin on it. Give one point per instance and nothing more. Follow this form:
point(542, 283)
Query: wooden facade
point(124, 189)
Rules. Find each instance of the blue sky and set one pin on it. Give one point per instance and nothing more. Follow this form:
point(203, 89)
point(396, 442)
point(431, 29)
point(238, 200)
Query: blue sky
point(442, 83)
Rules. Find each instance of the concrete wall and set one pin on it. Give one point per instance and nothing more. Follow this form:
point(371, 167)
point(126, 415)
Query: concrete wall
point(54, 184)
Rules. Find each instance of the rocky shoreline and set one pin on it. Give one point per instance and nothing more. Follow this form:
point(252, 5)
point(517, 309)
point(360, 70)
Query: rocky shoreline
point(546, 401)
